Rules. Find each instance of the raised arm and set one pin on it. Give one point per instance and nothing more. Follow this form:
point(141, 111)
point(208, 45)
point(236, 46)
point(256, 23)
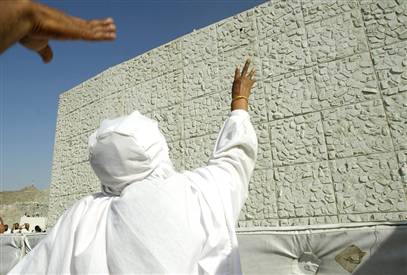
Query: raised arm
point(232, 162)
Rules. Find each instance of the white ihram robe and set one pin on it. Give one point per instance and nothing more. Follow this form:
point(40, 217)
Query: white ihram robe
point(150, 218)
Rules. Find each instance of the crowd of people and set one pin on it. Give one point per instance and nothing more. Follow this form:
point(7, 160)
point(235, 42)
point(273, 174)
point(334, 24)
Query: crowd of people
point(18, 228)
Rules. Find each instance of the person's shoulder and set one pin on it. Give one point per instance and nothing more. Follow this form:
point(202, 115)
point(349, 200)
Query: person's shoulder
point(79, 207)
point(84, 202)
point(175, 179)
point(200, 178)
point(86, 198)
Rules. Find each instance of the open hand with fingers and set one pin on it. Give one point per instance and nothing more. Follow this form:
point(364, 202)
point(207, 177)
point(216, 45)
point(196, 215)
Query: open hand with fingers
point(33, 25)
point(242, 86)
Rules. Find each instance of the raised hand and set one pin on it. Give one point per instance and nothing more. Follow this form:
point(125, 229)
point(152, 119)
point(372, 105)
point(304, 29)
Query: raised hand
point(242, 85)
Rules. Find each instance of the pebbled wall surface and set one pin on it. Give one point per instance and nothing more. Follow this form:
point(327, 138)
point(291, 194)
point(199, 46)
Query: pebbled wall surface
point(329, 108)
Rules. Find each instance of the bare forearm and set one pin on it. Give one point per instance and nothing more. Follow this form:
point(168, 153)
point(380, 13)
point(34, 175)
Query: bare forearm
point(14, 22)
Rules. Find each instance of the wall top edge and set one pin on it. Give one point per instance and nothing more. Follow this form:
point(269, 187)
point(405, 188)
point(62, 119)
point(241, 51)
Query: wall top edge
point(141, 55)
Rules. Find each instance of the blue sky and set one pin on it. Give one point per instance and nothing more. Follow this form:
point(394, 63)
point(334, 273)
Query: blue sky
point(30, 89)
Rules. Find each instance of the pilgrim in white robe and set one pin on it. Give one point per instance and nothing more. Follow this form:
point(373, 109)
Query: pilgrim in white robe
point(150, 219)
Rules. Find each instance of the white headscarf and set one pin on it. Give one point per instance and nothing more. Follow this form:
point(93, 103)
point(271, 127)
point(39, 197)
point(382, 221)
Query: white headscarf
point(126, 150)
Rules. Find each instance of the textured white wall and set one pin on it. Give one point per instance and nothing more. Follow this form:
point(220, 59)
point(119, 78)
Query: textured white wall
point(329, 107)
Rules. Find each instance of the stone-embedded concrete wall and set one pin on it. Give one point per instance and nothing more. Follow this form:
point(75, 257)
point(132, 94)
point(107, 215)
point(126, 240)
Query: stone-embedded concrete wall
point(329, 107)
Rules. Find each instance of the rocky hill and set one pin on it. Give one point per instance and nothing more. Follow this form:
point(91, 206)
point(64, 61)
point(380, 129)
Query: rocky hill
point(29, 200)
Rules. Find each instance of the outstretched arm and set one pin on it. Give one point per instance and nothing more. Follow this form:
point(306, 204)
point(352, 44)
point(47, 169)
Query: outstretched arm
point(33, 25)
point(232, 163)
